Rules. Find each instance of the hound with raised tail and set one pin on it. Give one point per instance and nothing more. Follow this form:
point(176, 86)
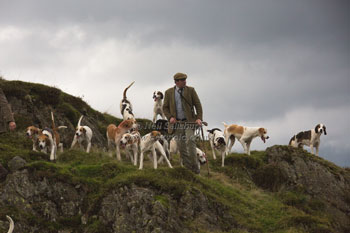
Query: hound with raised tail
point(244, 135)
point(158, 105)
point(33, 132)
point(218, 143)
point(131, 143)
point(49, 140)
point(150, 142)
point(82, 134)
point(126, 106)
point(114, 134)
point(309, 138)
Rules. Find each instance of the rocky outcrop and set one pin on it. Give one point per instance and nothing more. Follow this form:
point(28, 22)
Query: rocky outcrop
point(294, 169)
point(43, 202)
point(16, 163)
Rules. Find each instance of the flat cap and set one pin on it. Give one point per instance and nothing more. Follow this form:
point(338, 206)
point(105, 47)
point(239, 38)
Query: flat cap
point(179, 76)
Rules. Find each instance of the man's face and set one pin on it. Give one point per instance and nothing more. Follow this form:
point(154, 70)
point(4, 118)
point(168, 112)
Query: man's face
point(180, 83)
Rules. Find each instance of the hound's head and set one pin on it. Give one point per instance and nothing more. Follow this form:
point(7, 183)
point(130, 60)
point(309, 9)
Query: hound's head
point(263, 134)
point(80, 131)
point(321, 128)
point(128, 124)
point(126, 138)
point(201, 156)
point(43, 141)
point(218, 138)
point(158, 95)
point(155, 135)
point(31, 131)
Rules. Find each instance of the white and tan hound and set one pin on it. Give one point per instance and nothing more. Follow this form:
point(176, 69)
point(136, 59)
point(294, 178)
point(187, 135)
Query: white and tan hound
point(33, 132)
point(82, 134)
point(158, 105)
point(114, 134)
point(131, 143)
point(202, 159)
point(150, 142)
point(49, 140)
point(309, 138)
point(244, 135)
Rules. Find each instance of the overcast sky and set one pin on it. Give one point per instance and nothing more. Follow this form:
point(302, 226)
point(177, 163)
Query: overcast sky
point(283, 65)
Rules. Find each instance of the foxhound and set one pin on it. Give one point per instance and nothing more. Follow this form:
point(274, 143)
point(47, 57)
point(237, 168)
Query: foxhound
point(49, 140)
point(244, 135)
point(12, 224)
point(131, 143)
point(82, 134)
point(218, 143)
point(126, 106)
point(202, 159)
point(158, 105)
point(33, 132)
point(114, 134)
point(150, 142)
point(309, 138)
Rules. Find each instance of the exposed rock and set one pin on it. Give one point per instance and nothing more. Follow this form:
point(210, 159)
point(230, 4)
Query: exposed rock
point(40, 197)
point(298, 170)
point(138, 209)
point(16, 163)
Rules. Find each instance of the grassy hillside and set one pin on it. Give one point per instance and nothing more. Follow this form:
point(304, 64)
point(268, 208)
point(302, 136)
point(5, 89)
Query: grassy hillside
point(250, 194)
point(247, 207)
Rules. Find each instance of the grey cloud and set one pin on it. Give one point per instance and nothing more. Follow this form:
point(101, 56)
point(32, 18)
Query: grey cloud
point(250, 61)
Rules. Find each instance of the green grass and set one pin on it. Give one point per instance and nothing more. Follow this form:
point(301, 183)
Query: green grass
point(231, 188)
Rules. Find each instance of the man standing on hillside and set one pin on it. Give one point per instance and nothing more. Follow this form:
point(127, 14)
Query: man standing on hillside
point(6, 115)
point(180, 104)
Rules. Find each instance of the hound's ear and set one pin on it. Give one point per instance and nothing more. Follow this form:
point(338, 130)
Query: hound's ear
point(161, 95)
point(324, 130)
point(84, 130)
point(317, 128)
point(261, 131)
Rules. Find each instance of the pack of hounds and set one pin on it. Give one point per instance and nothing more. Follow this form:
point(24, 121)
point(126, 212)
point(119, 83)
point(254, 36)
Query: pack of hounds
point(127, 137)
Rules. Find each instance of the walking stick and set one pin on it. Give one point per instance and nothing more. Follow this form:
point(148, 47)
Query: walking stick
point(205, 149)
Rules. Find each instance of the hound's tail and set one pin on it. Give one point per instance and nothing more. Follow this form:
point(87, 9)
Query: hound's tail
point(226, 125)
point(53, 123)
point(124, 94)
point(291, 140)
point(12, 224)
point(80, 120)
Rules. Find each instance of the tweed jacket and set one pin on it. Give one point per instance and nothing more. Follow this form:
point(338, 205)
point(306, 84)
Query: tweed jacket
point(5, 112)
point(192, 99)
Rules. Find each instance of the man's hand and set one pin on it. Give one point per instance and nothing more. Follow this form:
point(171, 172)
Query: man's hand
point(12, 125)
point(172, 120)
point(199, 122)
